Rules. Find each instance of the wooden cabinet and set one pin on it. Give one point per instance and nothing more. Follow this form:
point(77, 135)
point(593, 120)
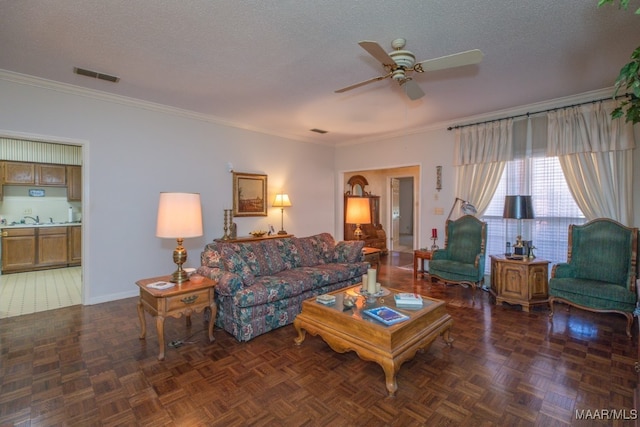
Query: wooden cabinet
point(373, 234)
point(524, 282)
point(19, 173)
point(51, 175)
point(52, 246)
point(18, 249)
point(40, 248)
point(74, 183)
point(75, 245)
point(23, 173)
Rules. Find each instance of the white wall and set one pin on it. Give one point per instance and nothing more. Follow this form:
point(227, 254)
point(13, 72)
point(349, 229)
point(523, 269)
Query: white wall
point(133, 151)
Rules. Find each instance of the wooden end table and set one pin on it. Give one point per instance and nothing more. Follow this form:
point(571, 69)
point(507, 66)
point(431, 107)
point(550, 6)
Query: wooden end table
point(183, 299)
point(420, 255)
point(372, 255)
point(520, 281)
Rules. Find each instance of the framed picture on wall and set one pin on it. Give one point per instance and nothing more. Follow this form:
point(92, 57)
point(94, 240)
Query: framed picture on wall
point(249, 194)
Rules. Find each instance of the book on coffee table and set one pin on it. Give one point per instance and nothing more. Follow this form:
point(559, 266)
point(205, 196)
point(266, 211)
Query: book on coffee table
point(386, 315)
point(406, 299)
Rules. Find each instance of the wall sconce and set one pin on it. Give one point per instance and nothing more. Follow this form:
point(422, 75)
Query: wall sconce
point(282, 201)
point(179, 217)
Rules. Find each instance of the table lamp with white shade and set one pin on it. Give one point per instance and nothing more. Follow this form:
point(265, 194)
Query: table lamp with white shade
point(179, 217)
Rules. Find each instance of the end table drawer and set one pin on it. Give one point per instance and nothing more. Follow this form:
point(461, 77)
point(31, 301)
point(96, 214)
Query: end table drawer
point(192, 299)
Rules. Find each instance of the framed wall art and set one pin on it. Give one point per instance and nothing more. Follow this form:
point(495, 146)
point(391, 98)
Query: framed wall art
point(249, 194)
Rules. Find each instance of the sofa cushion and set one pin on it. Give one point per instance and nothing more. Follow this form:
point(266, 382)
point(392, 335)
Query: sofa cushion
point(212, 257)
point(593, 293)
point(348, 251)
point(323, 247)
point(273, 261)
point(454, 270)
point(289, 252)
point(306, 252)
point(290, 283)
point(236, 264)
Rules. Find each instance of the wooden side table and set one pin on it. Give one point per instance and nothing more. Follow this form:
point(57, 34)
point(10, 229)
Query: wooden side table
point(372, 256)
point(520, 281)
point(183, 299)
point(420, 255)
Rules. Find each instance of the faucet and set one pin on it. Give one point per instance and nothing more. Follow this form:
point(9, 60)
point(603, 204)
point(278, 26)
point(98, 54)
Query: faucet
point(36, 219)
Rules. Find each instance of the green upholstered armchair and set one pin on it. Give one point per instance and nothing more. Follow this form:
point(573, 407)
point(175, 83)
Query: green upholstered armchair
point(463, 257)
point(600, 272)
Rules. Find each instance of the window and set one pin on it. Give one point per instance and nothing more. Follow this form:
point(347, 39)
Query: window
point(554, 208)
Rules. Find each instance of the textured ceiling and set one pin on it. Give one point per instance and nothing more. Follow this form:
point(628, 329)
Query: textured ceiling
point(273, 65)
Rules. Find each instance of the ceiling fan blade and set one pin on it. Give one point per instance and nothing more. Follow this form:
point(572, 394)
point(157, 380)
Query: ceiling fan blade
point(377, 52)
point(375, 79)
point(450, 61)
point(412, 89)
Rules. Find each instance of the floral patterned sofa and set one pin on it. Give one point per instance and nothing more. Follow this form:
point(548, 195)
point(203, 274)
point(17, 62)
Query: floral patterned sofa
point(261, 284)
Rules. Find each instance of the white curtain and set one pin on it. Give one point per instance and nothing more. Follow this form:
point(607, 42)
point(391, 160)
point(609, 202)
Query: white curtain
point(481, 153)
point(595, 153)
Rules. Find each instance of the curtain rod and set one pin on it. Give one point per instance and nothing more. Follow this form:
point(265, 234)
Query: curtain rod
point(527, 114)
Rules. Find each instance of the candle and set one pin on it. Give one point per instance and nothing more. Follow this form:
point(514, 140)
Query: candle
point(371, 280)
point(434, 233)
point(365, 282)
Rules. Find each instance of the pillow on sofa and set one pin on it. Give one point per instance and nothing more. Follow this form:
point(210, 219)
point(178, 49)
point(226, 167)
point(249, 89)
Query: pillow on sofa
point(235, 264)
point(306, 252)
point(323, 246)
point(348, 251)
point(212, 258)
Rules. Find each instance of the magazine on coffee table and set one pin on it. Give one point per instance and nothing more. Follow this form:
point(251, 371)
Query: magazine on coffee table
point(386, 315)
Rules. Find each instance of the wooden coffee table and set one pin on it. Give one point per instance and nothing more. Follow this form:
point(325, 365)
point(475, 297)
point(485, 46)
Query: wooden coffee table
point(389, 346)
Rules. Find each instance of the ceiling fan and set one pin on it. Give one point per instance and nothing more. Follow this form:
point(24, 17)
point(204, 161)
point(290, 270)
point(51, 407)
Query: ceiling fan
point(399, 63)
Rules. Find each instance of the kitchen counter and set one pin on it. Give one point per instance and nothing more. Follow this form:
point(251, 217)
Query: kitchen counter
point(30, 247)
point(41, 224)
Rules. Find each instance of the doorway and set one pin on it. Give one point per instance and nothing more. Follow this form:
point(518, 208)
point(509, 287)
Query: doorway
point(42, 290)
point(402, 214)
point(403, 236)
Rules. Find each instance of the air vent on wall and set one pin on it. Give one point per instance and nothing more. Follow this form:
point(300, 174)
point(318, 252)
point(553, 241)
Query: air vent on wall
point(96, 75)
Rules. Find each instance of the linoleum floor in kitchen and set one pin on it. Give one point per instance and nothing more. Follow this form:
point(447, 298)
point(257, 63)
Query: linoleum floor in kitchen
point(35, 291)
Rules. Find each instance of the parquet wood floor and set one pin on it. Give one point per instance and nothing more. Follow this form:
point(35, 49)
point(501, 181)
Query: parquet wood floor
point(85, 366)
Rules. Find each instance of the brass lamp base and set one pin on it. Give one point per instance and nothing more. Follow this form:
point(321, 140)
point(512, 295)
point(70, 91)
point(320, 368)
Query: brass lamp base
point(179, 257)
point(357, 233)
point(281, 232)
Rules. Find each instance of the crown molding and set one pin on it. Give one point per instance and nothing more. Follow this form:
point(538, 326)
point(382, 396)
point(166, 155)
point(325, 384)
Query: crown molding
point(66, 88)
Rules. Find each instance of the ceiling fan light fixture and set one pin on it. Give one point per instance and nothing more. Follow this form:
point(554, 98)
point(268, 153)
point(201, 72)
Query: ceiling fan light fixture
point(403, 58)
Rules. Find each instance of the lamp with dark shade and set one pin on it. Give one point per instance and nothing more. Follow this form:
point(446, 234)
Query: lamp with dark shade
point(358, 213)
point(179, 217)
point(518, 207)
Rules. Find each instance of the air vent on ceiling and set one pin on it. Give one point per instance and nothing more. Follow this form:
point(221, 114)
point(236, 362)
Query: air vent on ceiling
point(318, 130)
point(96, 75)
